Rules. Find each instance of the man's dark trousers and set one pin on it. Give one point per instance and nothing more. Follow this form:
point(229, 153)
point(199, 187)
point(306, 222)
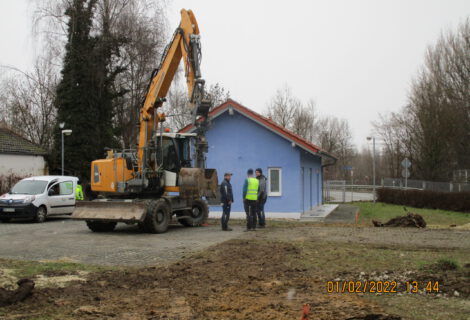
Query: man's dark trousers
point(225, 215)
point(250, 209)
point(260, 212)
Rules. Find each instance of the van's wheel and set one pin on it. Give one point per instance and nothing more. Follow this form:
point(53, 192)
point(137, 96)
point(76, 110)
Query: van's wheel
point(41, 214)
point(158, 216)
point(198, 214)
point(100, 226)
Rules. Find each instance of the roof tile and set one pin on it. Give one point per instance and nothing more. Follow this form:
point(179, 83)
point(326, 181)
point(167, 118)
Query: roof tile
point(13, 143)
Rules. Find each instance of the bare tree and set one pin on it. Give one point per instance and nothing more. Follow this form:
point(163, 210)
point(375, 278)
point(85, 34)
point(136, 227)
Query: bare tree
point(335, 137)
point(330, 133)
point(177, 107)
point(140, 28)
point(434, 128)
point(217, 94)
point(393, 131)
point(283, 107)
point(28, 102)
point(305, 122)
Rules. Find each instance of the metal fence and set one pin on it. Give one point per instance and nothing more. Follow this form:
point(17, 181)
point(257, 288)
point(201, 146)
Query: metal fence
point(425, 185)
point(462, 176)
point(340, 191)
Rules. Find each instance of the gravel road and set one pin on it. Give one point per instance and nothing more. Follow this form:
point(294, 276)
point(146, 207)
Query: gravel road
point(72, 240)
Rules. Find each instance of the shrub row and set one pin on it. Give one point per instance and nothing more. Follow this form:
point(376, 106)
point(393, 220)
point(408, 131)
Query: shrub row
point(454, 201)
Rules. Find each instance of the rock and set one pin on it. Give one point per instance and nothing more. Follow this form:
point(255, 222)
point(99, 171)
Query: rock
point(456, 293)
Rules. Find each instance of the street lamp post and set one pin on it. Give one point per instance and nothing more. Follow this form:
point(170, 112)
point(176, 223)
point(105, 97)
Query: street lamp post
point(67, 132)
point(373, 164)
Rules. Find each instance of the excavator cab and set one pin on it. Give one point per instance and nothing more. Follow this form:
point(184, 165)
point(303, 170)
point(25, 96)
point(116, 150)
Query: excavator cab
point(175, 151)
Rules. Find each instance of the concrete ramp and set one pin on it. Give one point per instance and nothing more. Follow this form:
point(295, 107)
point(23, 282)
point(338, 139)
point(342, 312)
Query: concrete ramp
point(342, 213)
point(318, 213)
point(345, 213)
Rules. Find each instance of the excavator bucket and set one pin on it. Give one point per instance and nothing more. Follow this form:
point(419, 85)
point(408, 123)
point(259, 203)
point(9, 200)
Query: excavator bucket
point(197, 182)
point(119, 211)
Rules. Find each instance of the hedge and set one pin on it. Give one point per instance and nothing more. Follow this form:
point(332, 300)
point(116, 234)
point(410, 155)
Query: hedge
point(454, 201)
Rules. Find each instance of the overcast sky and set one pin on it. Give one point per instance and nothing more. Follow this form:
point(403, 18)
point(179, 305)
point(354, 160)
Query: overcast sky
point(354, 58)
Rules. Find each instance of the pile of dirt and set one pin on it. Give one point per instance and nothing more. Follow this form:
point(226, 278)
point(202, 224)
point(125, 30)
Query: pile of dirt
point(238, 279)
point(412, 220)
point(8, 297)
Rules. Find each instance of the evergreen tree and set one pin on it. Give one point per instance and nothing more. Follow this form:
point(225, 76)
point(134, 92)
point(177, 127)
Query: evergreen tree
point(85, 94)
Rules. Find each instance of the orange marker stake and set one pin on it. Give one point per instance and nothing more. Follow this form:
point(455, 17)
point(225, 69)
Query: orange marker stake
point(305, 312)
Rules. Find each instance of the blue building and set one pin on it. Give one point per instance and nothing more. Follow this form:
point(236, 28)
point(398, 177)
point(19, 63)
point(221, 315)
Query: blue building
point(240, 138)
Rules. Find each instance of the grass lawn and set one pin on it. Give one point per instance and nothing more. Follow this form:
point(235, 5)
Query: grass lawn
point(24, 269)
point(433, 217)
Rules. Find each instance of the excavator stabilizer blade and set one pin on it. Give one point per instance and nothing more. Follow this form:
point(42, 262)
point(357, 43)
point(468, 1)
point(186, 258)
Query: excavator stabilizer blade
point(119, 211)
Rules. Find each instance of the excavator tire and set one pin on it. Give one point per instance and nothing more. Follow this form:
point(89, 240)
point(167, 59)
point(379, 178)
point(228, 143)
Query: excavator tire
point(199, 214)
point(100, 226)
point(158, 216)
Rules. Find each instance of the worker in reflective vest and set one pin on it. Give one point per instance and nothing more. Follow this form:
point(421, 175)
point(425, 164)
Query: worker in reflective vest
point(250, 198)
point(78, 191)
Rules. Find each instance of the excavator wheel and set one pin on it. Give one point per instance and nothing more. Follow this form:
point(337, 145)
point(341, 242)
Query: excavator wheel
point(158, 216)
point(198, 213)
point(100, 226)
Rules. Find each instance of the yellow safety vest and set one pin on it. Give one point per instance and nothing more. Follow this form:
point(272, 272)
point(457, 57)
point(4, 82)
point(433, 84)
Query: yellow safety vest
point(79, 192)
point(252, 190)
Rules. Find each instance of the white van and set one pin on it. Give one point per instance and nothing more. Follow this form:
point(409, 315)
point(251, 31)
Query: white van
point(38, 198)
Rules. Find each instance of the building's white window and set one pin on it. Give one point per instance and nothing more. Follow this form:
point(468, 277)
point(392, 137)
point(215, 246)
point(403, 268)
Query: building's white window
point(274, 182)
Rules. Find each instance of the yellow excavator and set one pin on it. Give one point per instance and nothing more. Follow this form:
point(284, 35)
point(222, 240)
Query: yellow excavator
point(165, 176)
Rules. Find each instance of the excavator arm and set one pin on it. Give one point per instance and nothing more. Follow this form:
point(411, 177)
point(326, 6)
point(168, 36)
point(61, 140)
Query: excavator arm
point(184, 45)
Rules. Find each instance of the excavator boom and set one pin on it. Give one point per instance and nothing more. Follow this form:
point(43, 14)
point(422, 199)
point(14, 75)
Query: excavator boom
point(184, 45)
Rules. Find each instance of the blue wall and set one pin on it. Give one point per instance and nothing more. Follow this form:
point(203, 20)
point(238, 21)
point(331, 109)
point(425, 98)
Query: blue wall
point(310, 180)
point(237, 143)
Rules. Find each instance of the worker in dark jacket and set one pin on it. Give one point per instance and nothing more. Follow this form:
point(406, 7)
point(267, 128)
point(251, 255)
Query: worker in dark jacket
point(262, 197)
point(226, 196)
point(250, 198)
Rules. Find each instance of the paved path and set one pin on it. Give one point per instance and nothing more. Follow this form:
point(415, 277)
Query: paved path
point(68, 239)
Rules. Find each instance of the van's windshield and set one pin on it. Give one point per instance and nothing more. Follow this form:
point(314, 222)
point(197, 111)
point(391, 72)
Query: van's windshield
point(29, 187)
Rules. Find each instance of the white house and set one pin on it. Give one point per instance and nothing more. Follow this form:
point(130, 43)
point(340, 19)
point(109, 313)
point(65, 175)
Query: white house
point(20, 157)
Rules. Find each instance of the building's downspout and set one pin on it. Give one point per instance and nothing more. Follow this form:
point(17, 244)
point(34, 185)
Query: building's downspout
point(328, 164)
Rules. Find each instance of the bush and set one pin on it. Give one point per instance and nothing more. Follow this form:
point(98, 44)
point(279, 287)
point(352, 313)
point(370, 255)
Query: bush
point(454, 201)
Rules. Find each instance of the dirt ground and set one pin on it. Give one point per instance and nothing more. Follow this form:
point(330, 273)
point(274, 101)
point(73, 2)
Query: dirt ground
point(239, 279)
point(271, 274)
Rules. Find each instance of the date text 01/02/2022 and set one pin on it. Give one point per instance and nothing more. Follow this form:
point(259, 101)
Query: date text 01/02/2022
point(382, 286)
